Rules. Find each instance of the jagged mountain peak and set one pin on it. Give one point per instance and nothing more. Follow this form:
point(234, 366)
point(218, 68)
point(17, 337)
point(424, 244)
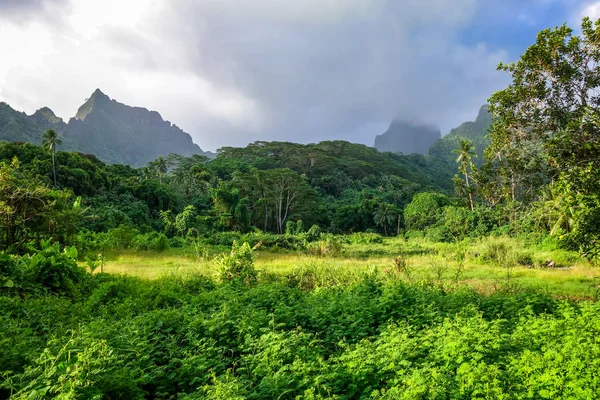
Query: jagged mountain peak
point(97, 99)
point(46, 114)
point(112, 131)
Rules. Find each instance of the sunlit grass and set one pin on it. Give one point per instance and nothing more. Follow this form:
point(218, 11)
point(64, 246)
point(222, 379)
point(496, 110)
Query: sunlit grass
point(433, 262)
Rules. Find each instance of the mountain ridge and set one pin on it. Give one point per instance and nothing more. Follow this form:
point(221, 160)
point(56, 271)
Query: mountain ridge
point(114, 132)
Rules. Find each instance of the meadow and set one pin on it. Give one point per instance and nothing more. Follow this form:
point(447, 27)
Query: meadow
point(486, 265)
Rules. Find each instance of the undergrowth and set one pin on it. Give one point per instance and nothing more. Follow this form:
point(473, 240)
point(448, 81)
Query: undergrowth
point(311, 334)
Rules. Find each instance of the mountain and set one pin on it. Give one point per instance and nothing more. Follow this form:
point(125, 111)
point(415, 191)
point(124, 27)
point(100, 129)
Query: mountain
point(441, 154)
point(407, 138)
point(112, 131)
point(475, 131)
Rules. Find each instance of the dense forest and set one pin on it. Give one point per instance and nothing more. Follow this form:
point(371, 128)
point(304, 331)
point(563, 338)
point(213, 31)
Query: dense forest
point(72, 331)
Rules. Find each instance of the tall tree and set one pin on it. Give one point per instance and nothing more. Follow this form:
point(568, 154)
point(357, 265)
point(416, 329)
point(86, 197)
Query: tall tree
point(546, 120)
point(465, 157)
point(51, 140)
point(546, 131)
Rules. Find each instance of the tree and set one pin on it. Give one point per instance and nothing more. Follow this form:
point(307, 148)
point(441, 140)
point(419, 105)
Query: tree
point(51, 140)
point(425, 211)
point(546, 120)
point(31, 211)
point(545, 139)
point(465, 156)
point(386, 215)
point(160, 166)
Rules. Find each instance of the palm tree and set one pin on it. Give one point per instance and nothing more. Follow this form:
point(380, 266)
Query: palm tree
point(384, 216)
point(465, 155)
point(160, 166)
point(51, 140)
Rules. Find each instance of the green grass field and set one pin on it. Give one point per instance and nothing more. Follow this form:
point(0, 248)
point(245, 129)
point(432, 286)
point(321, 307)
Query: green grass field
point(436, 262)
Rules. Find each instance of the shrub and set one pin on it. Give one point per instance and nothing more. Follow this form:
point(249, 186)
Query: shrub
point(365, 238)
point(294, 228)
point(458, 221)
point(497, 252)
point(152, 241)
point(439, 234)
point(10, 273)
point(329, 245)
point(236, 266)
point(122, 237)
point(54, 270)
point(313, 234)
point(177, 242)
point(524, 258)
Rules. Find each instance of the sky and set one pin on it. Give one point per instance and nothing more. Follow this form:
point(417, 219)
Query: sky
point(231, 72)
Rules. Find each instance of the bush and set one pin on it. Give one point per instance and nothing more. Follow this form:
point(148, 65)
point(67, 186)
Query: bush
point(294, 228)
point(223, 238)
point(498, 252)
point(153, 241)
point(237, 266)
point(313, 234)
point(524, 258)
point(439, 234)
point(329, 245)
point(52, 269)
point(411, 235)
point(122, 237)
point(177, 242)
point(365, 238)
point(458, 221)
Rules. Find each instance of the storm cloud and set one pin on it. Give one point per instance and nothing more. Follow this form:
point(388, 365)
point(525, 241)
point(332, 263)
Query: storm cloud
point(231, 72)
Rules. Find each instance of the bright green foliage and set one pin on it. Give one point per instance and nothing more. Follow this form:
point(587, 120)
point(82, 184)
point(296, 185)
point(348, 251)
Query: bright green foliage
point(237, 266)
point(459, 221)
point(294, 228)
point(183, 221)
point(467, 169)
point(425, 210)
point(51, 140)
point(313, 233)
point(387, 215)
point(196, 339)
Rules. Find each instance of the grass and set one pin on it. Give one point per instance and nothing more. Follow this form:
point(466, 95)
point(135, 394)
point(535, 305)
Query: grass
point(490, 265)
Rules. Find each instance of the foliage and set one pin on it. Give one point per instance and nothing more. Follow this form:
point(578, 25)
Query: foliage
point(424, 211)
point(237, 266)
point(306, 337)
point(545, 130)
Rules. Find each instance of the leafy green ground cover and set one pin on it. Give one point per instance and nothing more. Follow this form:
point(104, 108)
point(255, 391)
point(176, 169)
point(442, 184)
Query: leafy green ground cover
point(306, 332)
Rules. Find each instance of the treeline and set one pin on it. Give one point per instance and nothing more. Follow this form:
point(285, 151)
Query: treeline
point(337, 187)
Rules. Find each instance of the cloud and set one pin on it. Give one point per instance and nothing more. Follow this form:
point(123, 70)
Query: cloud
point(590, 9)
point(20, 12)
point(234, 71)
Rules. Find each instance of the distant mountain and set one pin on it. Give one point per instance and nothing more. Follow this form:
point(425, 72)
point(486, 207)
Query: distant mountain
point(407, 138)
point(112, 131)
point(475, 131)
point(441, 155)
